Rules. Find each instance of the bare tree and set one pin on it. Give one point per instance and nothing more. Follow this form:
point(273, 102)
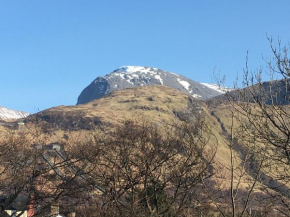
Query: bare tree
point(150, 170)
point(236, 190)
point(261, 110)
point(33, 175)
point(137, 168)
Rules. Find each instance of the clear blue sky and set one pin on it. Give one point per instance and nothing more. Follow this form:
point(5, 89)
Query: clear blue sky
point(50, 50)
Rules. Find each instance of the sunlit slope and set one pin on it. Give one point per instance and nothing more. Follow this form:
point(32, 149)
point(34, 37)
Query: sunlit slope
point(233, 129)
point(159, 104)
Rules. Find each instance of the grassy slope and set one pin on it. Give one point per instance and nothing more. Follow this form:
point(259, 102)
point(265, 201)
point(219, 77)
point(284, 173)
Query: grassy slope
point(155, 103)
point(158, 104)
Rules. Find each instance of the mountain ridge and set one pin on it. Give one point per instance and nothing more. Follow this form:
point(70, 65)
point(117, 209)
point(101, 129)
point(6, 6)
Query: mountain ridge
point(10, 114)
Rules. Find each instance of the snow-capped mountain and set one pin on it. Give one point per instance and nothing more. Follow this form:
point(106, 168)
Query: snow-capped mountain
point(8, 114)
point(132, 76)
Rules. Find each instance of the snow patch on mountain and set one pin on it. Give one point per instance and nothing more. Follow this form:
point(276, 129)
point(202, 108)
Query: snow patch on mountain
point(196, 96)
point(134, 69)
point(218, 88)
point(7, 114)
point(159, 78)
point(185, 84)
point(139, 70)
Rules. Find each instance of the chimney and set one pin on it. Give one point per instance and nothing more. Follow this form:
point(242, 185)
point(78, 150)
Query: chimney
point(31, 209)
point(71, 214)
point(54, 209)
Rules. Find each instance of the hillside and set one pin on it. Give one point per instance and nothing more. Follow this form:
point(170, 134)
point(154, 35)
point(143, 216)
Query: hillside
point(159, 104)
point(81, 126)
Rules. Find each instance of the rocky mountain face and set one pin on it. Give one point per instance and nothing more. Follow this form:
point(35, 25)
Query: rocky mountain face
point(133, 76)
point(9, 114)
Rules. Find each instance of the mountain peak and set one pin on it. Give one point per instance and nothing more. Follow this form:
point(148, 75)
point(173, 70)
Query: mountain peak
point(134, 76)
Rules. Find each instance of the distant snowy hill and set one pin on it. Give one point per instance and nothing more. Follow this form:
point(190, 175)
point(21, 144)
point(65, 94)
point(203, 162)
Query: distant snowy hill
point(133, 76)
point(8, 114)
